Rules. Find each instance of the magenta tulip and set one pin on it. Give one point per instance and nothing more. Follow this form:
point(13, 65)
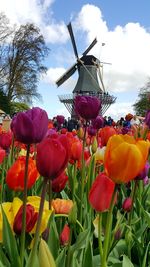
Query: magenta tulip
point(30, 126)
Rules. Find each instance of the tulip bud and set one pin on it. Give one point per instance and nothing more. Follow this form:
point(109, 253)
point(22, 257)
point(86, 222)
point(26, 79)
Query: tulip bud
point(80, 133)
point(45, 257)
point(65, 235)
point(127, 204)
point(94, 145)
point(118, 234)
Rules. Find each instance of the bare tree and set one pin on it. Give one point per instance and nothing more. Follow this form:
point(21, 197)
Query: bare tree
point(21, 62)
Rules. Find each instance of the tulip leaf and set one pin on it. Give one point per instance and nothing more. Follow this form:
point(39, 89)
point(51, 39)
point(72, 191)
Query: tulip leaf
point(96, 261)
point(88, 256)
point(61, 259)
point(9, 242)
point(146, 215)
point(145, 256)
point(2, 265)
point(53, 239)
point(126, 262)
point(3, 257)
point(81, 241)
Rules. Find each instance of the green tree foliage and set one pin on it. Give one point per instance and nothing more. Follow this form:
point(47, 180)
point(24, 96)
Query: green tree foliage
point(18, 107)
point(22, 52)
point(4, 105)
point(143, 102)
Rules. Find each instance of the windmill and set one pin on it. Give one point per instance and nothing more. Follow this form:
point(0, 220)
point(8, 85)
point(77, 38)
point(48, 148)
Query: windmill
point(90, 80)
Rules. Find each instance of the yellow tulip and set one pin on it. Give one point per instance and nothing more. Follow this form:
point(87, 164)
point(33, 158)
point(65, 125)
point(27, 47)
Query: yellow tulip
point(45, 257)
point(125, 157)
point(99, 154)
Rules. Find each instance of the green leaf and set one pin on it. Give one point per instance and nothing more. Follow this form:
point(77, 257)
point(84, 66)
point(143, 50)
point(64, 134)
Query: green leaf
point(126, 262)
point(35, 263)
point(81, 241)
point(9, 242)
point(4, 259)
point(2, 265)
point(74, 262)
point(53, 240)
point(88, 256)
point(146, 215)
point(96, 261)
point(119, 250)
point(61, 259)
point(145, 256)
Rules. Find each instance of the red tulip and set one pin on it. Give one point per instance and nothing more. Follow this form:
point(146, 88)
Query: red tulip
point(59, 183)
point(15, 175)
point(106, 133)
point(101, 192)
point(52, 156)
point(31, 218)
point(76, 150)
point(2, 154)
point(127, 204)
point(65, 235)
point(5, 140)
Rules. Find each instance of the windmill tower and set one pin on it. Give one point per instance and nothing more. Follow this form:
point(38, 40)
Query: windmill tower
point(90, 80)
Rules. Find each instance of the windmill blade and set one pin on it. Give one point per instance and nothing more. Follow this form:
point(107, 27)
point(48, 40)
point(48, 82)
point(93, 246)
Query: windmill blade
point(90, 47)
point(72, 39)
point(66, 75)
point(105, 62)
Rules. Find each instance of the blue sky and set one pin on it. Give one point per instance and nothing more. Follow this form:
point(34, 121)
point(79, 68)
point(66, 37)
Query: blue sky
point(123, 25)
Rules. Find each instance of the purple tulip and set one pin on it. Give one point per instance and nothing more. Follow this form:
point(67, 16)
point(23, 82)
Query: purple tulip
point(144, 172)
point(125, 130)
point(30, 126)
point(98, 122)
point(91, 131)
point(146, 180)
point(87, 107)
point(147, 118)
point(60, 119)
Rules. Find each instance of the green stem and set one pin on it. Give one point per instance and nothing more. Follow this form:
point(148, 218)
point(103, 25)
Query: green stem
point(69, 246)
point(133, 197)
point(37, 232)
point(12, 150)
point(74, 180)
point(24, 207)
point(65, 215)
point(100, 235)
point(82, 174)
point(108, 230)
point(2, 180)
point(50, 192)
point(131, 214)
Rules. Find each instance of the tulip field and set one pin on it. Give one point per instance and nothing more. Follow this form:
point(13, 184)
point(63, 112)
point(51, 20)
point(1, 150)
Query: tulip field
point(77, 198)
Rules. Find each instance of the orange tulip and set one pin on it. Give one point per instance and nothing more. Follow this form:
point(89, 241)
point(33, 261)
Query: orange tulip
point(105, 133)
point(125, 157)
point(15, 175)
point(62, 206)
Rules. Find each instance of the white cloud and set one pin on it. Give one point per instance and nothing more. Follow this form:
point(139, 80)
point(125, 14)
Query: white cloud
point(39, 13)
point(127, 48)
point(118, 110)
